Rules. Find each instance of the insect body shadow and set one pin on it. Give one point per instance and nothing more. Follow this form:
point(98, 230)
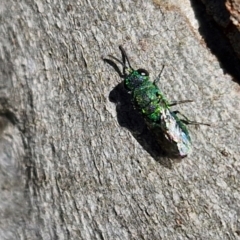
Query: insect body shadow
point(131, 119)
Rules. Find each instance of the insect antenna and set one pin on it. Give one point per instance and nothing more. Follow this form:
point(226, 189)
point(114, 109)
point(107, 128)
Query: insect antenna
point(125, 57)
point(123, 63)
point(114, 65)
point(116, 59)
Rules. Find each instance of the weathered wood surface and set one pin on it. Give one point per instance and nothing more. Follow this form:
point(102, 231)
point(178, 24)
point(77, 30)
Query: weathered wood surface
point(73, 162)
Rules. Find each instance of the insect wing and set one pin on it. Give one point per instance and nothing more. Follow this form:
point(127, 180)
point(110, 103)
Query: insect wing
point(176, 134)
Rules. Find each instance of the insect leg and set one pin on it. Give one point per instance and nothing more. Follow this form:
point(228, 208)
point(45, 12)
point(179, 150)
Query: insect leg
point(187, 121)
point(159, 76)
point(179, 102)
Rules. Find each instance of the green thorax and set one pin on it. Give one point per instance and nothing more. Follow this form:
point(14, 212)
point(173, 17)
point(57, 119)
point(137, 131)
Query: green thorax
point(146, 95)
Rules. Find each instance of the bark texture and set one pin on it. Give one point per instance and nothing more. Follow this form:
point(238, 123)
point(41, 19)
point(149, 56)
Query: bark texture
point(75, 159)
point(226, 15)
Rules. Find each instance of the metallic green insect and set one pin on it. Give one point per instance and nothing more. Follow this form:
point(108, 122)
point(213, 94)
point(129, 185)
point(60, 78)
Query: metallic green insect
point(170, 131)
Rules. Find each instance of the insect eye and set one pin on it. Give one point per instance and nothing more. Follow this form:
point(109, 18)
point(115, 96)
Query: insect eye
point(143, 72)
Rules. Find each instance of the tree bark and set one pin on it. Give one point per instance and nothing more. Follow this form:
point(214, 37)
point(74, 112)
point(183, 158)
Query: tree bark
point(76, 159)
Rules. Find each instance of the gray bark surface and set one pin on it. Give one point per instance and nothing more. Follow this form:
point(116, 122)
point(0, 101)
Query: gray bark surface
point(74, 163)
